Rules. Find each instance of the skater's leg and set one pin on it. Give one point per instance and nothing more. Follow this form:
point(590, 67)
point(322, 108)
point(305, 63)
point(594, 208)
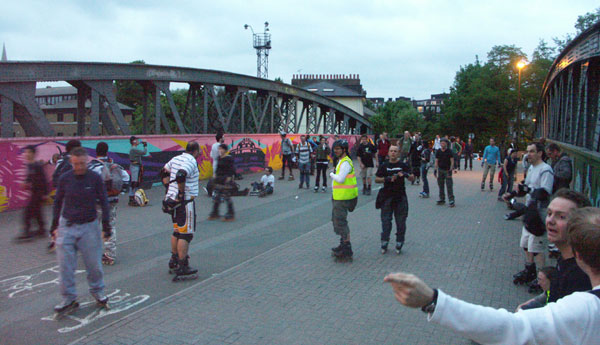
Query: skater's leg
point(511, 181)
point(450, 187)
point(66, 254)
point(27, 215)
point(424, 177)
point(90, 245)
point(400, 208)
point(39, 200)
point(486, 169)
point(230, 210)
point(339, 216)
point(441, 179)
point(386, 221)
point(492, 174)
point(110, 246)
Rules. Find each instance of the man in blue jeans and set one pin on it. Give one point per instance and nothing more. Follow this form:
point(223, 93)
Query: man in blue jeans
point(491, 157)
point(75, 228)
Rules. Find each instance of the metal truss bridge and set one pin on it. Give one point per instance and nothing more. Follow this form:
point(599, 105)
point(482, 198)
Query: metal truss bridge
point(570, 101)
point(216, 100)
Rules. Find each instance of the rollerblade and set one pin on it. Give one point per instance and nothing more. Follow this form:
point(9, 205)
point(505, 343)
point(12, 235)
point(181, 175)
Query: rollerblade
point(65, 308)
point(440, 202)
point(173, 263)
point(291, 178)
point(491, 187)
point(483, 186)
point(399, 246)
point(25, 236)
point(384, 247)
point(451, 204)
point(345, 253)
point(323, 189)
point(213, 216)
point(337, 249)
point(368, 190)
point(534, 287)
point(102, 301)
point(107, 260)
point(316, 189)
point(184, 271)
point(525, 276)
point(281, 177)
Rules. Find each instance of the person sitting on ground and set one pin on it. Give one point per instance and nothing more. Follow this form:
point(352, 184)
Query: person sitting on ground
point(266, 184)
point(545, 276)
point(574, 319)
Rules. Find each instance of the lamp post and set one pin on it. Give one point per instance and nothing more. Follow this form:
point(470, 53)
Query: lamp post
point(262, 44)
point(520, 66)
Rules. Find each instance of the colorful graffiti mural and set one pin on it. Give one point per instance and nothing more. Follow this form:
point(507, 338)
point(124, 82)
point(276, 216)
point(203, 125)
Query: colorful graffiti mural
point(250, 152)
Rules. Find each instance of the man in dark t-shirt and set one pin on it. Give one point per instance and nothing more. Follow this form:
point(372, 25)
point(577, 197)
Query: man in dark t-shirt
point(224, 185)
point(366, 154)
point(444, 162)
point(392, 198)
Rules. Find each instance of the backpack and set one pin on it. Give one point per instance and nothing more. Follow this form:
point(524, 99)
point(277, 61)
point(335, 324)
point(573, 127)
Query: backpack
point(62, 166)
point(140, 197)
point(111, 175)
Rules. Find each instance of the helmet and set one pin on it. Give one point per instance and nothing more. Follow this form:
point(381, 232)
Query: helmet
point(140, 197)
point(343, 143)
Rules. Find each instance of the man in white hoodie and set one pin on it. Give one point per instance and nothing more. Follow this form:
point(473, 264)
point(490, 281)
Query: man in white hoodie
point(574, 319)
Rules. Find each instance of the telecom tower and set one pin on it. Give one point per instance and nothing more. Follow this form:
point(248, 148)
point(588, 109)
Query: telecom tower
point(262, 44)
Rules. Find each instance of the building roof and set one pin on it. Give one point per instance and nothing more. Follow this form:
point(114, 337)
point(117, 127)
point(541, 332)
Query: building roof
point(72, 104)
point(328, 89)
point(55, 91)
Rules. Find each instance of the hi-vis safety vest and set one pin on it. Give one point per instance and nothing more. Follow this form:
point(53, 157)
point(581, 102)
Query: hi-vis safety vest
point(347, 190)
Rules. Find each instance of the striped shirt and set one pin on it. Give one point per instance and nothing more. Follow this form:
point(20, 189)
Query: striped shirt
point(188, 163)
point(304, 151)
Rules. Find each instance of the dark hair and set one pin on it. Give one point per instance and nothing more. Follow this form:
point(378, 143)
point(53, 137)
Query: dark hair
point(71, 144)
point(364, 136)
point(132, 139)
point(30, 148)
point(553, 147)
point(538, 146)
point(102, 149)
point(549, 271)
point(584, 235)
point(577, 198)
point(79, 152)
point(192, 146)
point(219, 136)
point(270, 169)
point(224, 146)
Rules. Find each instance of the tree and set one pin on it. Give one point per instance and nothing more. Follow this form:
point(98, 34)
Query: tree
point(394, 117)
point(583, 23)
point(129, 92)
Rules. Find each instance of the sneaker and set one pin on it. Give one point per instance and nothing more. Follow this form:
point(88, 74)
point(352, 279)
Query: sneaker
point(440, 202)
point(281, 178)
point(491, 187)
point(399, 246)
point(65, 305)
point(451, 204)
point(425, 196)
point(323, 189)
point(291, 178)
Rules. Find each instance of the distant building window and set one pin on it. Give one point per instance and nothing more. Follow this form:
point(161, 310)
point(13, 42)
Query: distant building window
point(420, 109)
point(327, 90)
point(59, 134)
point(313, 90)
point(60, 117)
point(438, 109)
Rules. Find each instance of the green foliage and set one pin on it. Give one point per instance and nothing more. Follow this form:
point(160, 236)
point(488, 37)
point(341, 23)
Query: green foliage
point(397, 117)
point(179, 98)
point(583, 23)
point(130, 93)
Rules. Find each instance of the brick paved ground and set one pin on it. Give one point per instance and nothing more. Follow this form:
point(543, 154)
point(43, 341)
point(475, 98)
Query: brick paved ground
point(296, 293)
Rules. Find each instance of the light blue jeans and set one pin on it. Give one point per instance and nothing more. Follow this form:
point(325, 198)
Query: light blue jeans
point(87, 239)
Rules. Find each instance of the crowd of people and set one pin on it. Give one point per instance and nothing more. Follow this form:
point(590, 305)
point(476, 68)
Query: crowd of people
point(557, 222)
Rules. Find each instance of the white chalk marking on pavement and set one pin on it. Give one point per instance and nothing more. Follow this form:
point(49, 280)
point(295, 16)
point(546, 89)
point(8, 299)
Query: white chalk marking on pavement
point(25, 285)
point(117, 303)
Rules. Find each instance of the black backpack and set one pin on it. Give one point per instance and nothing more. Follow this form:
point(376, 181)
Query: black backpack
point(62, 166)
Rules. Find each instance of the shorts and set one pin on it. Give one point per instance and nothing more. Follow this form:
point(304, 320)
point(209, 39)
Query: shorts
point(184, 218)
point(533, 244)
point(366, 172)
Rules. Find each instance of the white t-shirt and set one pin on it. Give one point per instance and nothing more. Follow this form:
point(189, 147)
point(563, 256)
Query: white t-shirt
point(265, 180)
point(540, 176)
point(188, 163)
point(214, 151)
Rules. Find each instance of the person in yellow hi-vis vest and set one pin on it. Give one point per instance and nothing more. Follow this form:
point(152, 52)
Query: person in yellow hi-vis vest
point(345, 197)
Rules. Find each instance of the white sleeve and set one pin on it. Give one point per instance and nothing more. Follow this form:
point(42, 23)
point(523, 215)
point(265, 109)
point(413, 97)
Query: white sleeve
point(547, 180)
point(345, 169)
point(568, 321)
point(125, 176)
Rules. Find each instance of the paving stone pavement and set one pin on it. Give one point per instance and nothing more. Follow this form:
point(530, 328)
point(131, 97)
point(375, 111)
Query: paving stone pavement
point(297, 294)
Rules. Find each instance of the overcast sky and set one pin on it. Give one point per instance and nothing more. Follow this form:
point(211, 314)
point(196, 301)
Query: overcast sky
point(399, 48)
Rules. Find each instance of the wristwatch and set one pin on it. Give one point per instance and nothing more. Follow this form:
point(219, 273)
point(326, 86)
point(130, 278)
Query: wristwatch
point(430, 307)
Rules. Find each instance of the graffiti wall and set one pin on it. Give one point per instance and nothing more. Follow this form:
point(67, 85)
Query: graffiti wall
point(251, 153)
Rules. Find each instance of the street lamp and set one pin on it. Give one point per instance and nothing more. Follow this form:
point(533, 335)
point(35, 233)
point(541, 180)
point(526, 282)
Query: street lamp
point(520, 66)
